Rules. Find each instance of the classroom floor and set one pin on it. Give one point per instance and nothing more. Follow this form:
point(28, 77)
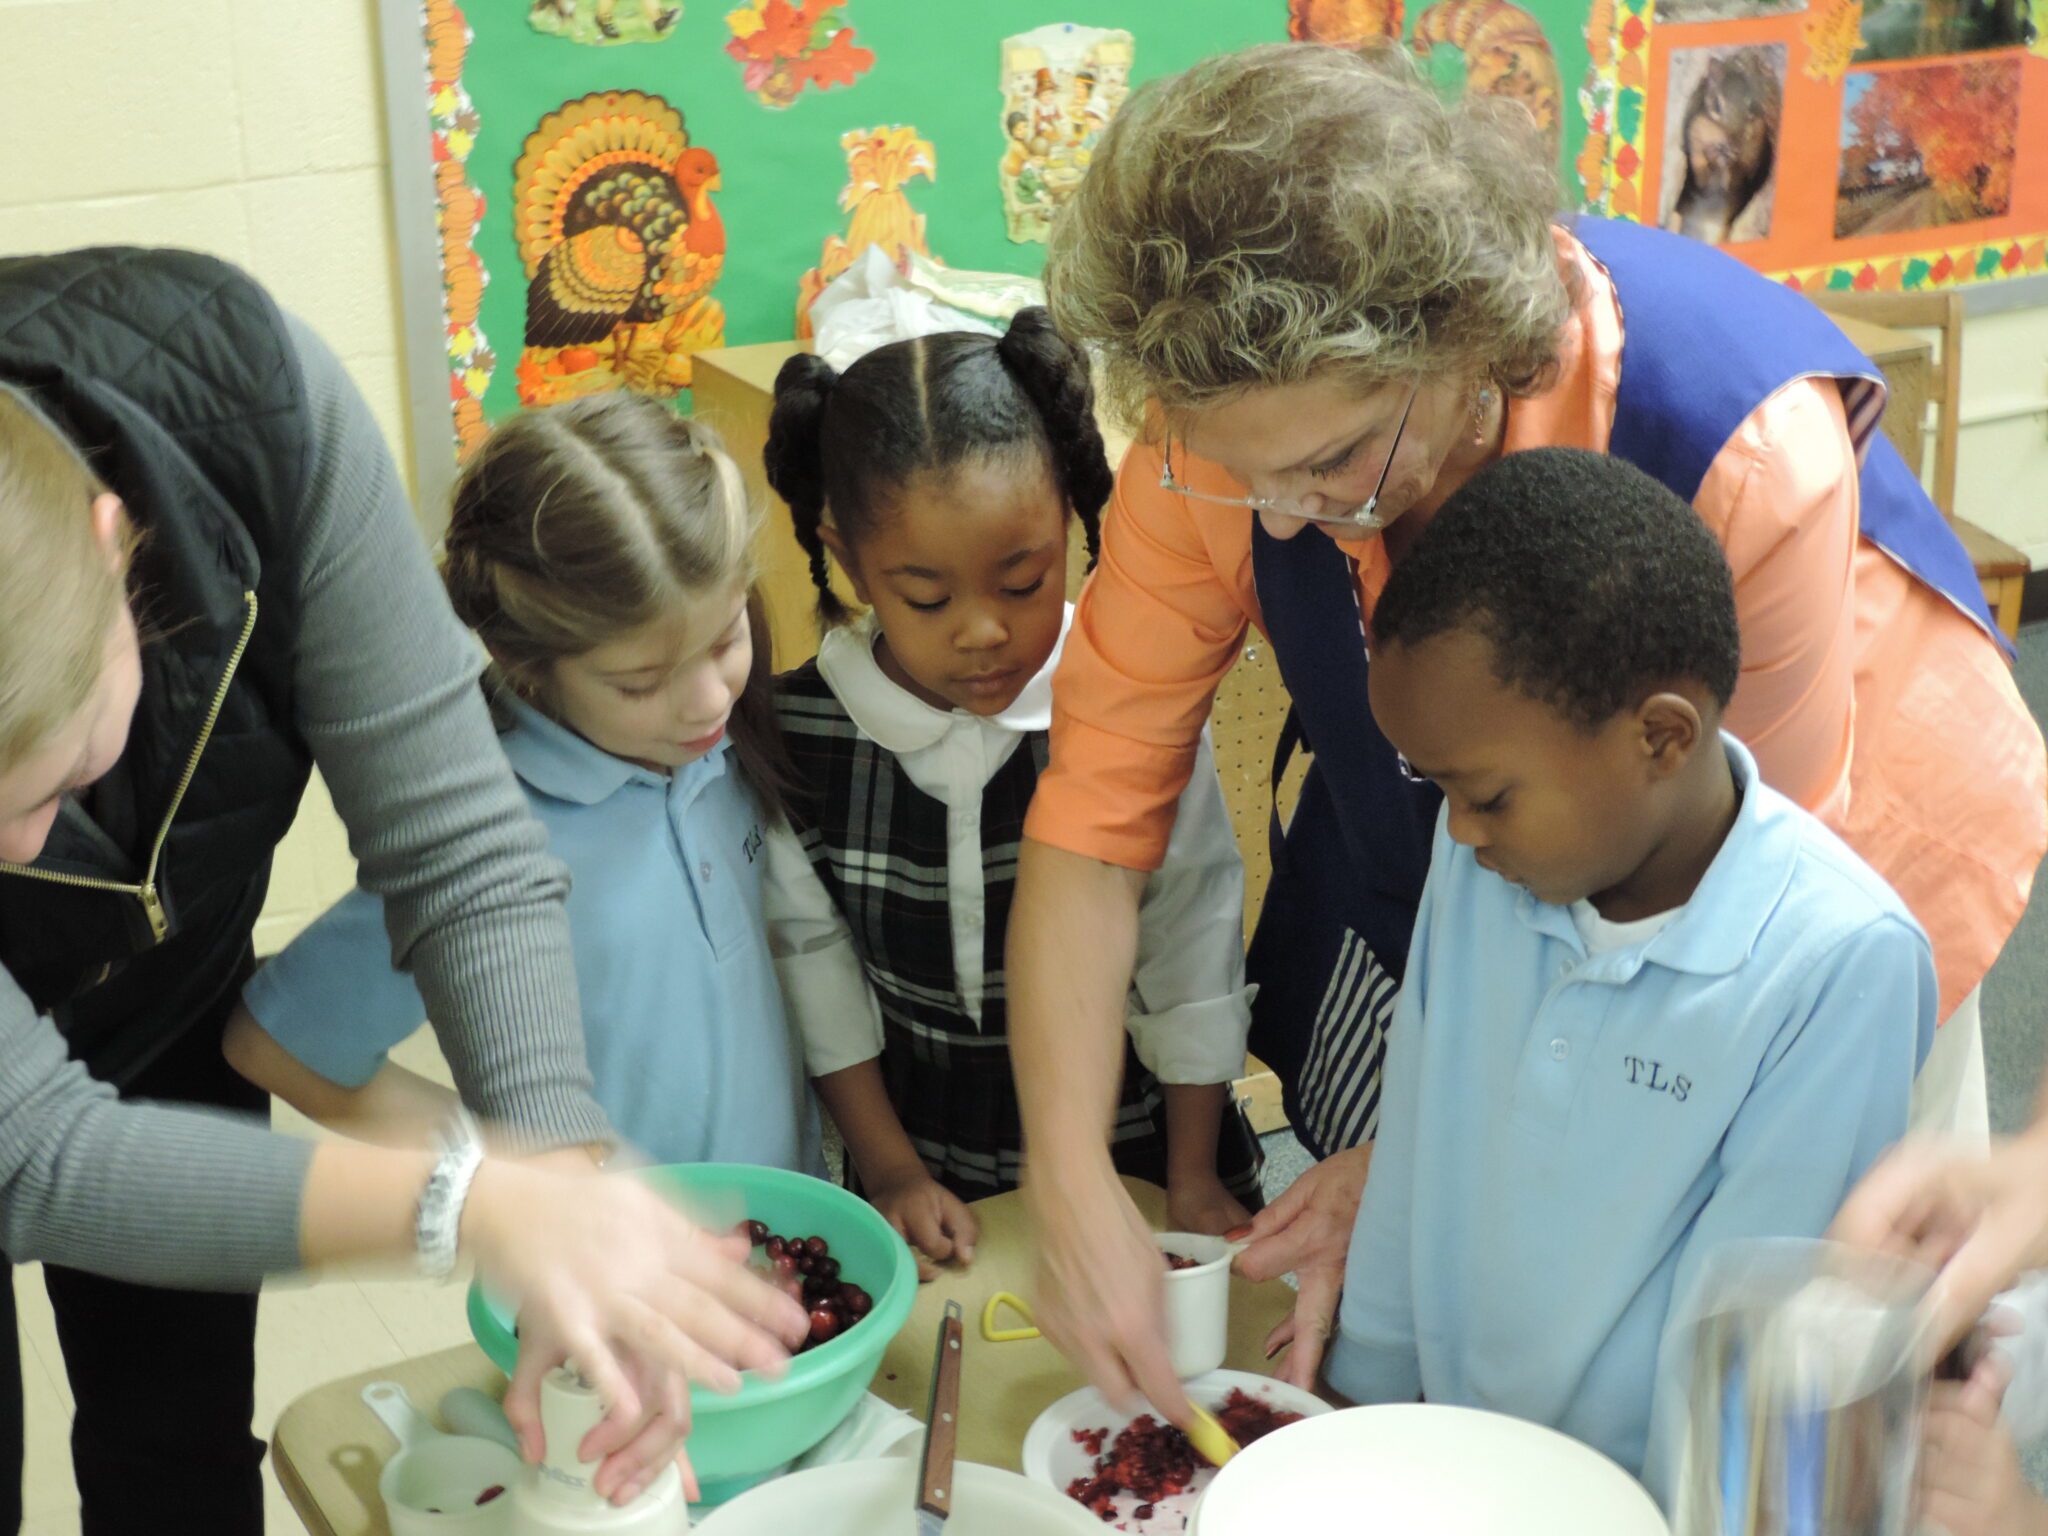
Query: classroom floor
point(310, 1335)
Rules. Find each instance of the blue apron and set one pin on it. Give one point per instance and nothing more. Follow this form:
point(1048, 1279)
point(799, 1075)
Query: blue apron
point(1707, 340)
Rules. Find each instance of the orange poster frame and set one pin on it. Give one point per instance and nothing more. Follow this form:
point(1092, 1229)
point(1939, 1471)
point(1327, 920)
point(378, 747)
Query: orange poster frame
point(1627, 100)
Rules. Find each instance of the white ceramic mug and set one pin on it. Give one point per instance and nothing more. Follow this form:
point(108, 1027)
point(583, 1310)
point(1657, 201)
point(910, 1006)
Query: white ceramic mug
point(1197, 1305)
point(1197, 1302)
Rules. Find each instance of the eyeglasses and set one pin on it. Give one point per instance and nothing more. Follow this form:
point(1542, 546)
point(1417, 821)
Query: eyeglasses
point(1364, 518)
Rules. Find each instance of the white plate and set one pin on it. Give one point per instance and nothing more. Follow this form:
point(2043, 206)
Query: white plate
point(875, 1498)
point(1052, 1457)
point(1420, 1467)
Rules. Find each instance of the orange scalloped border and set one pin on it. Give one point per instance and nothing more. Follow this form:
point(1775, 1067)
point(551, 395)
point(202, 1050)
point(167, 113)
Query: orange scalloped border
point(460, 209)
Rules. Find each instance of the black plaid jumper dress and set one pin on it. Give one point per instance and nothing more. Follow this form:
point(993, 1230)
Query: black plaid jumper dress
point(878, 843)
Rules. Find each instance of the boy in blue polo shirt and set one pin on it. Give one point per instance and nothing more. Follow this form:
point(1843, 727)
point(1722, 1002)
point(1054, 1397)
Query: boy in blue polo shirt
point(1651, 1004)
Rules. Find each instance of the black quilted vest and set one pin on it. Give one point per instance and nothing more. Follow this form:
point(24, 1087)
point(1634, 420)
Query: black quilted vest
point(173, 373)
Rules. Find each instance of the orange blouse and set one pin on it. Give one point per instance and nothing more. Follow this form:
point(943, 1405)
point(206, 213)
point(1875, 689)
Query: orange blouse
point(1864, 693)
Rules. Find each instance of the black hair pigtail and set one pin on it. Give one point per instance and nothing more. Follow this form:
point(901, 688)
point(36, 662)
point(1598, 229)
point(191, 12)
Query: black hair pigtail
point(795, 461)
point(1054, 373)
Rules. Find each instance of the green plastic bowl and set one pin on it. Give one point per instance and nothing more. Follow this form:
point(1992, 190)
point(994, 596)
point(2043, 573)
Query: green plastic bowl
point(737, 1441)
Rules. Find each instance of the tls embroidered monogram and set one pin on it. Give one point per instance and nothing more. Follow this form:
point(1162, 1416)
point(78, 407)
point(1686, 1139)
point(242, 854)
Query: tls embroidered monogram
point(1650, 1075)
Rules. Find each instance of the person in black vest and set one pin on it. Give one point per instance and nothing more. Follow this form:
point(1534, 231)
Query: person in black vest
point(1327, 297)
point(212, 583)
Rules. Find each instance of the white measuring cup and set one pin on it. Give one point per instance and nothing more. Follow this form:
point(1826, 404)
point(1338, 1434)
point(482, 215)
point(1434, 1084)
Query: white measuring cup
point(440, 1485)
point(1197, 1304)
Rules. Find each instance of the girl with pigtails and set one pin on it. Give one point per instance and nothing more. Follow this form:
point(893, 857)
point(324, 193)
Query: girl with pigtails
point(939, 473)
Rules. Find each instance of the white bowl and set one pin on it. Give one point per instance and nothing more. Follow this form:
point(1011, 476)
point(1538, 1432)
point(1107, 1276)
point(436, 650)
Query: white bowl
point(874, 1498)
point(1420, 1467)
point(1052, 1457)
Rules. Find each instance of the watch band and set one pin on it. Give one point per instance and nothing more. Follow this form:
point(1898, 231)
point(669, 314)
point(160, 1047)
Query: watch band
point(437, 1225)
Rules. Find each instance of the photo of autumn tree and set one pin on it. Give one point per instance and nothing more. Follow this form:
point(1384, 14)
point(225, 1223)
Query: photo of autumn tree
point(1927, 146)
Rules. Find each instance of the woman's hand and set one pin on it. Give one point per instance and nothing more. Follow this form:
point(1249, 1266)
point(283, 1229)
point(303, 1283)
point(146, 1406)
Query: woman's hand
point(607, 1274)
point(1970, 1478)
point(931, 1218)
point(1979, 1220)
point(1307, 1233)
point(1100, 1294)
point(1306, 1331)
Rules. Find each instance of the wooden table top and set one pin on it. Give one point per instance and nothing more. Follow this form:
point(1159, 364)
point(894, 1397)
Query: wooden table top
point(329, 1448)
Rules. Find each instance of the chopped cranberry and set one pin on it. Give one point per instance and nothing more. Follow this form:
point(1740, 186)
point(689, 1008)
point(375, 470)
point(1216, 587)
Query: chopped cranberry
point(495, 1491)
point(1181, 1261)
point(1142, 1512)
point(1154, 1461)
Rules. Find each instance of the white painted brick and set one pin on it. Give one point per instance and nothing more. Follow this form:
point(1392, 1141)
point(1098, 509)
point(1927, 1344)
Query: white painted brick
point(119, 97)
point(323, 245)
point(306, 73)
point(203, 219)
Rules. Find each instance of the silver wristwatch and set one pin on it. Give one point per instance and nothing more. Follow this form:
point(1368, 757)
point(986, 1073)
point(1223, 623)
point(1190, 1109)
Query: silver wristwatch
point(438, 1224)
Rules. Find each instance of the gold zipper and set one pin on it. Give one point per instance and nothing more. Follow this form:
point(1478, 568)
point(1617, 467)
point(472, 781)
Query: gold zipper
point(146, 891)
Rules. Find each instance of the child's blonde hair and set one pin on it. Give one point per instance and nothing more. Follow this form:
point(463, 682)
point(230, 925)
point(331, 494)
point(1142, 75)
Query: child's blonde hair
point(59, 593)
point(579, 522)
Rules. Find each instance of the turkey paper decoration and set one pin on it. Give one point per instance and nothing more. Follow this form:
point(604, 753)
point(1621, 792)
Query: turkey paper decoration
point(621, 245)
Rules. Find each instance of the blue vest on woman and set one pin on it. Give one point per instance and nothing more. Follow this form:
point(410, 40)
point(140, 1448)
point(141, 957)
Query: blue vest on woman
point(1707, 341)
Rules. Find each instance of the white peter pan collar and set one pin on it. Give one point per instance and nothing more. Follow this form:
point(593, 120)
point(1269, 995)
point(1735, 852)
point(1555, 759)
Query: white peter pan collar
point(900, 722)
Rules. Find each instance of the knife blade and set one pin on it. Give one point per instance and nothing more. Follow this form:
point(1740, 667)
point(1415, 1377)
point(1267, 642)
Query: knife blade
point(941, 1429)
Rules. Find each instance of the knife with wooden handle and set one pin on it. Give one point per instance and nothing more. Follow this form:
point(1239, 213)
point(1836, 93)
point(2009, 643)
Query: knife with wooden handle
point(941, 1431)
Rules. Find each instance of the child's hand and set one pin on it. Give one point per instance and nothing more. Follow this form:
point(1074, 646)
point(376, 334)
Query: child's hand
point(1970, 1478)
point(1200, 1203)
point(933, 1220)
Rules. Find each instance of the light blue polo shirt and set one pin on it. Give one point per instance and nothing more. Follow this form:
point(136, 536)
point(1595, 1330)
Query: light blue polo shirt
point(692, 1055)
point(1565, 1138)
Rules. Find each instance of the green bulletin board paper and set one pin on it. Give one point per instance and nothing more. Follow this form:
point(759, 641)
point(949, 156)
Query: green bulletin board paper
point(936, 67)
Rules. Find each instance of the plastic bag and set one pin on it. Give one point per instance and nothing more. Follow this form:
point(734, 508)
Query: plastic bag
point(871, 304)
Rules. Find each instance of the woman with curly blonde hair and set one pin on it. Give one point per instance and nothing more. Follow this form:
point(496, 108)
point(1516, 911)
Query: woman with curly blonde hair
point(1326, 298)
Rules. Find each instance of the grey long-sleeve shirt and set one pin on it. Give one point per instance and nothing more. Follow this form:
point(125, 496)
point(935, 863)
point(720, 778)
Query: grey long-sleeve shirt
point(386, 683)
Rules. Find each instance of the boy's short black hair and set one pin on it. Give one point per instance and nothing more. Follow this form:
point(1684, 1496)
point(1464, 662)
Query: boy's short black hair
point(1594, 584)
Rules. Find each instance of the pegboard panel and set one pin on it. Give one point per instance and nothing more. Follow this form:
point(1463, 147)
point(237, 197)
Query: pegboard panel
point(1251, 705)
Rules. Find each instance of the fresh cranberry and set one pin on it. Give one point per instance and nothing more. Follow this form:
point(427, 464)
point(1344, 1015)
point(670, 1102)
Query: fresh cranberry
point(817, 1247)
point(784, 1264)
point(825, 1323)
point(858, 1303)
point(774, 1247)
point(807, 1264)
point(825, 1268)
point(757, 1232)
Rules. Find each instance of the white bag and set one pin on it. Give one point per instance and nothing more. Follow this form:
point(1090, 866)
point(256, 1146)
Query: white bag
point(871, 304)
